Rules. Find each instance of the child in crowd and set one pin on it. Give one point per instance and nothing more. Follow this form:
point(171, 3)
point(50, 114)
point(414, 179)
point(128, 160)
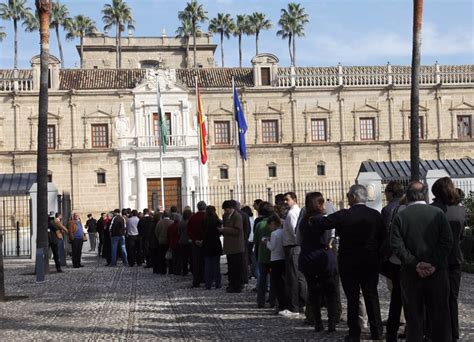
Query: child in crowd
point(277, 259)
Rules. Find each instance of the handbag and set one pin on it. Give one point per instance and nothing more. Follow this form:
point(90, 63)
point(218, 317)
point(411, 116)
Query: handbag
point(84, 237)
point(169, 254)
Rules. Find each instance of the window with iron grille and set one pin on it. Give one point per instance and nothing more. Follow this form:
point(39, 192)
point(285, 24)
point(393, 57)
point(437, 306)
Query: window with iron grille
point(421, 127)
point(318, 130)
point(51, 137)
point(464, 127)
point(101, 178)
point(272, 171)
point(269, 131)
point(367, 130)
point(222, 132)
point(321, 169)
point(224, 173)
point(100, 135)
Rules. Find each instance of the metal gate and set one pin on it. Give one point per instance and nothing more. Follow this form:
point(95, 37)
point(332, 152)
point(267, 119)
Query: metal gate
point(15, 225)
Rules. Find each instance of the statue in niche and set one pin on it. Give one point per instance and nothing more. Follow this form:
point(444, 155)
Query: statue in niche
point(122, 123)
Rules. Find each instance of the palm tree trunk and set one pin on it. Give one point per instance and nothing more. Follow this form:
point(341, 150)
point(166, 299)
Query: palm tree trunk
point(294, 50)
point(117, 54)
point(256, 42)
point(194, 43)
point(82, 51)
point(240, 50)
point(43, 7)
point(59, 45)
point(187, 51)
point(222, 49)
point(415, 92)
point(15, 29)
point(289, 49)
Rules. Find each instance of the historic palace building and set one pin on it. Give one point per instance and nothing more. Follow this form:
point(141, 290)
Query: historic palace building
point(304, 123)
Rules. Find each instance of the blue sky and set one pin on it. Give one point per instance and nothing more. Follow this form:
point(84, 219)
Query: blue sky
point(352, 32)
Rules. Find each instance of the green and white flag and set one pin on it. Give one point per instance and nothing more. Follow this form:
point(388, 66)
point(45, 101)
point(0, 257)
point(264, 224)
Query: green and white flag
point(162, 120)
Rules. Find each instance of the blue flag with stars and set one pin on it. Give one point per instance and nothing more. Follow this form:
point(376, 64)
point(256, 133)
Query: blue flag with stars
point(241, 124)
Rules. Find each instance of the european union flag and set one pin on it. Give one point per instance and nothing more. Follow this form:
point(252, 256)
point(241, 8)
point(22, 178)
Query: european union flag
point(241, 124)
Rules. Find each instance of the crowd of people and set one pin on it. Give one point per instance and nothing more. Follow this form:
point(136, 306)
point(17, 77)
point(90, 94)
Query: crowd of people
point(301, 256)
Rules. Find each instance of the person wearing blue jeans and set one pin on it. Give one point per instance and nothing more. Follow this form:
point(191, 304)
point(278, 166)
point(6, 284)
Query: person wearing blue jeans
point(117, 232)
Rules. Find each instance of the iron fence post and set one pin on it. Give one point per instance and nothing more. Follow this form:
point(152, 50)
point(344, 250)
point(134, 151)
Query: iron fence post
point(270, 195)
point(193, 199)
point(17, 238)
point(231, 191)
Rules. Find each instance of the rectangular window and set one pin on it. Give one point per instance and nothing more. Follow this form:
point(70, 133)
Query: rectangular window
point(265, 76)
point(156, 124)
point(51, 137)
point(321, 170)
point(464, 127)
point(100, 177)
point(269, 131)
point(272, 171)
point(100, 135)
point(318, 130)
point(50, 177)
point(222, 132)
point(421, 127)
point(224, 173)
point(367, 131)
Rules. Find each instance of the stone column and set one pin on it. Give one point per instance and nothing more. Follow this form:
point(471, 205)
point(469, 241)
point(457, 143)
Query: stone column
point(141, 185)
point(124, 184)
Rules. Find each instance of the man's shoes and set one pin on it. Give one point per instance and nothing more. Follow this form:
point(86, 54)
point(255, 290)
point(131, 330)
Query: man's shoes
point(391, 338)
point(76, 266)
point(319, 327)
point(232, 290)
point(59, 270)
point(81, 265)
point(349, 338)
point(288, 313)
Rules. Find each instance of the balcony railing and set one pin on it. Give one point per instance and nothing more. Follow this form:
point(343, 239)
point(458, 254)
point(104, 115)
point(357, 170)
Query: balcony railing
point(155, 141)
point(8, 85)
point(373, 76)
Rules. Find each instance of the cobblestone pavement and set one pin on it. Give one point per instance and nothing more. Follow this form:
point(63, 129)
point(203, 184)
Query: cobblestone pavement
point(123, 303)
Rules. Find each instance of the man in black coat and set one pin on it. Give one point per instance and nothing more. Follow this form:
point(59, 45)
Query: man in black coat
point(361, 231)
point(145, 229)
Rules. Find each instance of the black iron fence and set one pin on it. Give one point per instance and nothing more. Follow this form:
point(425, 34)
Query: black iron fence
point(215, 195)
point(15, 225)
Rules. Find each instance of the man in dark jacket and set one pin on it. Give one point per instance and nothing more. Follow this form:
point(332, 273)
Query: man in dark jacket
point(100, 232)
point(145, 228)
point(91, 225)
point(196, 233)
point(422, 239)
point(117, 232)
point(361, 231)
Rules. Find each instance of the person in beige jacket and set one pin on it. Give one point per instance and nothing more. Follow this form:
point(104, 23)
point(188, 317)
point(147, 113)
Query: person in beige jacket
point(234, 248)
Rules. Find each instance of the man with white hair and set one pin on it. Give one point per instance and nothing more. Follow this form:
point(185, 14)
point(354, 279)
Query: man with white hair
point(361, 231)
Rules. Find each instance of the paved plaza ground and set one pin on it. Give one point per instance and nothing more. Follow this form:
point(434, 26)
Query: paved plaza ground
point(123, 303)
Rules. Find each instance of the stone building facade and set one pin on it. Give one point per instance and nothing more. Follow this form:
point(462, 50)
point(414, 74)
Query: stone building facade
point(304, 124)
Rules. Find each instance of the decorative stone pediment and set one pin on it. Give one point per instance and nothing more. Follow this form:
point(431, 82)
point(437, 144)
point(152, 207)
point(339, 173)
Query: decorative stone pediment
point(421, 108)
point(98, 114)
point(220, 111)
point(268, 110)
point(318, 109)
point(51, 116)
point(462, 106)
point(166, 79)
point(366, 108)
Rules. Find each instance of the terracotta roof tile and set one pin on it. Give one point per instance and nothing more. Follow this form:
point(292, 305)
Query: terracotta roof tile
point(216, 77)
point(100, 78)
point(7, 74)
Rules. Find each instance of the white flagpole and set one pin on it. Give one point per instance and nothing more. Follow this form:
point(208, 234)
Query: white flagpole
point(236, 143)
point(198, 137)
point(160, 113)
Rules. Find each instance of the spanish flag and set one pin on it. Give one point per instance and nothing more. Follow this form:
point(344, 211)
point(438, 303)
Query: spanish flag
point(202, 128)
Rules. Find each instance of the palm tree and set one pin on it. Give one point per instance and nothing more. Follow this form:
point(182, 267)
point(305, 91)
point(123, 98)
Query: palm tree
point(224, 25)
point(81, 26)
point(292, 21)
point(17, 11)
point(118, 14)
point(186, 30)
point(32, 23)
point(241, 27)
point(43, 8)
point(196, 14)
point(60, 18)
point(2, 33)
point(258, 22)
